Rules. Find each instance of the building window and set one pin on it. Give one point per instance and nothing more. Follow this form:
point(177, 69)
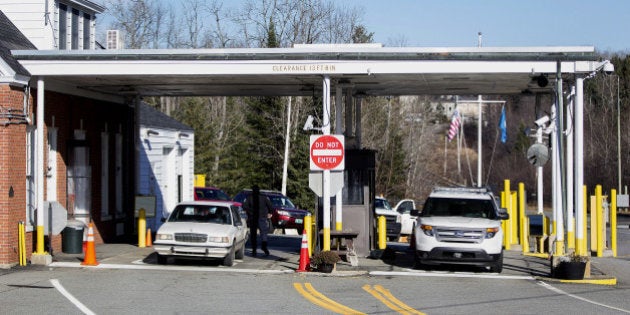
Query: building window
point(63, 25)
point(87, 34)
point(31, 196)
point(119, 176)
point(51, 169)
point(75, 29)
point(105, 176)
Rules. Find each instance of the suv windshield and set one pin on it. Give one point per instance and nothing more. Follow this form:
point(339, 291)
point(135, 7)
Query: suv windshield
point(211, 194)
point(280, 201)
point(382, 204)
point(473, 208)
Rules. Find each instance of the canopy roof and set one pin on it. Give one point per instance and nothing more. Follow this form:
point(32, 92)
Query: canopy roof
point(368, 69)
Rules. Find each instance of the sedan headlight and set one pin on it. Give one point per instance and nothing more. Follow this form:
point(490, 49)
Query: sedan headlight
point(164, 237)
point(284, 213)
point(218, 239)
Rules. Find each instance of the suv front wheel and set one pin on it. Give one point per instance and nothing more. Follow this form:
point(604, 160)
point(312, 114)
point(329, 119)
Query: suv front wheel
point(498, 264)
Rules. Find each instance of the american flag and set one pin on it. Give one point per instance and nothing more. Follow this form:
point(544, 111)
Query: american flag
point(455, 122)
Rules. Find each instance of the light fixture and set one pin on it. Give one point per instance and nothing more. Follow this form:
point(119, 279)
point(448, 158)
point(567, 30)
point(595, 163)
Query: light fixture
point(151, 132)
point(183, 135)
point(542, 81)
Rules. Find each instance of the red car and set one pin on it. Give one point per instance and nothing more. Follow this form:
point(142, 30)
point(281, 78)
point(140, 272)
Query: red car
point(285, 214)
point(216, 194)
point(211, 193)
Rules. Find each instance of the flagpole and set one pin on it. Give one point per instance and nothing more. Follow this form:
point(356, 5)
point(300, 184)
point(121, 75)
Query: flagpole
point(459, 146)
point(445, 141)
point(479, 130)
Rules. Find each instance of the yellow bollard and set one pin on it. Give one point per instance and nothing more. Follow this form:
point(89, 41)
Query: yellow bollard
point(382, 232)
point(308, 227)
point(514, 214)
point(21, 251)
point(571, 234)
point(600, 219)
point(593, 224)
point(505, 224)
point(583, 246)
point(613, 222)
point(142, 228)
point(523, 219)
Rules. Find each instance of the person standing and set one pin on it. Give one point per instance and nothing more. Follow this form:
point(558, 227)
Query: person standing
point(258, 208)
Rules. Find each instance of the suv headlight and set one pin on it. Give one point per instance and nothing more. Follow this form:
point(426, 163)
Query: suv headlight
point(398, 218)
point(164, 237)
point(491, 232)
point(427, 229)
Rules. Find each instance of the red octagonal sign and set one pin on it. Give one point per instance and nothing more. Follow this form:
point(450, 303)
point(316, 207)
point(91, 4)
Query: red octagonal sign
point(327, 152)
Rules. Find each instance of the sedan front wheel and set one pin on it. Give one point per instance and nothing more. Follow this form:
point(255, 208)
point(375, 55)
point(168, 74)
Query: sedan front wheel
point(228, 261)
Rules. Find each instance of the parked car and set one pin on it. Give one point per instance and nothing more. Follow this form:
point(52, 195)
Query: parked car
point(285, 214)
point(210, 193)
point(460, 225)
point(216, 194)
point(407, 220)
point(202, 229)
point(393, 218)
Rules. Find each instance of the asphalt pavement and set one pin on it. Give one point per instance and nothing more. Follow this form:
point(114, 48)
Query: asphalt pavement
point(397, 259)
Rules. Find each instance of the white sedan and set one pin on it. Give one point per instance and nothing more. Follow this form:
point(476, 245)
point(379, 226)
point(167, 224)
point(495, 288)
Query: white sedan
point(202, 229)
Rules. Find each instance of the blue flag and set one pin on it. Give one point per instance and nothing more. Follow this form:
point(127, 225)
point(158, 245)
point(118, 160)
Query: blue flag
point(503, 126)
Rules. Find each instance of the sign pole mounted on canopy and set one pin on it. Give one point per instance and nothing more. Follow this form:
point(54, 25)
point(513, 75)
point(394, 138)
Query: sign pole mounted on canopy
point(326, 154)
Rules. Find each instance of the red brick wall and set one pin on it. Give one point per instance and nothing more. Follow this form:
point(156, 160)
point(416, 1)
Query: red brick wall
point(12, 177)
point(70, 113)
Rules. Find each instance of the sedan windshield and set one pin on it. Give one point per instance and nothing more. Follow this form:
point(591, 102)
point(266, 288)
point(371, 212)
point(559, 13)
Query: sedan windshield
point(201, 213)
point(473, 208)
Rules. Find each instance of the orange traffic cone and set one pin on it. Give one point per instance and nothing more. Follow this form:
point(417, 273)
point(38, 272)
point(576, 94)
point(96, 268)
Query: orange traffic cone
point(149, 239)
point(305, 260)
point(90, 253)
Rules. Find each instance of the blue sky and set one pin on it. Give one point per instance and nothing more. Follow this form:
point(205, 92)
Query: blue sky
point(604, 24)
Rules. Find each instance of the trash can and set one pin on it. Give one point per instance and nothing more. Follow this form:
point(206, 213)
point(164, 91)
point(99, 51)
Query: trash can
point(72, 237)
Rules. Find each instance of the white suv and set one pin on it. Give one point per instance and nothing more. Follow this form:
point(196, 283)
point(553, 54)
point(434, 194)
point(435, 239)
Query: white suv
point(460, 226)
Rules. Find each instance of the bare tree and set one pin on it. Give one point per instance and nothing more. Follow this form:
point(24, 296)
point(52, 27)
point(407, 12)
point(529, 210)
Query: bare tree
point(138, 19)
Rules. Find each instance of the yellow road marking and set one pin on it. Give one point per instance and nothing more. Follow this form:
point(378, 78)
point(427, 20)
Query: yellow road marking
point(309, 293)
point(388, 299)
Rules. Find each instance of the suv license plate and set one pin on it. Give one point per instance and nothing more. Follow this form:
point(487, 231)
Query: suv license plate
point(298, 221)
point(457, 255)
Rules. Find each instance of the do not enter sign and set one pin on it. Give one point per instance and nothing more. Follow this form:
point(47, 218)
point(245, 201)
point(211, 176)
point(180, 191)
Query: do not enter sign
point(327, 152)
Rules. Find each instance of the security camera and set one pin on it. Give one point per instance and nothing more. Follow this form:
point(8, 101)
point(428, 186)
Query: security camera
point(540, 122)
point(308, 125)
point(609, 68)
point(605, 66)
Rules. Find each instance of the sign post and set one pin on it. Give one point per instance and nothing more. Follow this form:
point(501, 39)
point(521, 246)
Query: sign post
point(326, 154)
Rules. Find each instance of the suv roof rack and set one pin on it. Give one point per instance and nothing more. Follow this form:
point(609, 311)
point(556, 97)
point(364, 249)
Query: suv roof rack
point(480, 190)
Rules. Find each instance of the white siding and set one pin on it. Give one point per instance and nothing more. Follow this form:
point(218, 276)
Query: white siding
point(164, 157)
point(29, 17)
point(39, 24)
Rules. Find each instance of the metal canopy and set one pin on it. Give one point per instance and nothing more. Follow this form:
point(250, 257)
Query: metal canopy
point(369, 70)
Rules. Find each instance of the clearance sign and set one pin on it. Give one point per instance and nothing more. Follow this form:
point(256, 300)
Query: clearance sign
point(327, 152)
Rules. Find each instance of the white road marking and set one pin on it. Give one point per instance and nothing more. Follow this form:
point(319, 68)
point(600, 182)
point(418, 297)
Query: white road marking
point(70, 297)
point(172, 268)
point(554, 289)
point(449, 275)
